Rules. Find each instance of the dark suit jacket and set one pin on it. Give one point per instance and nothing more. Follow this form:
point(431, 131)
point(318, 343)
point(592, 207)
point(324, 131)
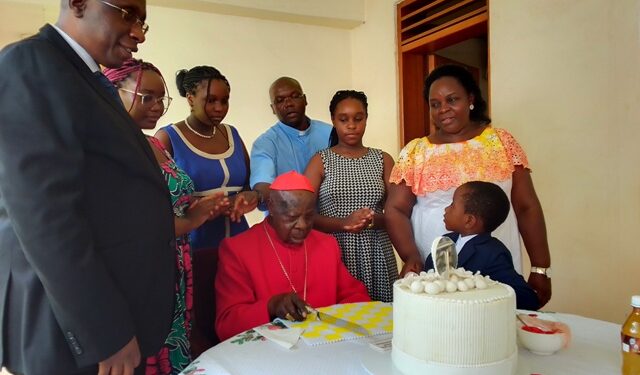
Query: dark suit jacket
point(489, 256)
point(86, 226)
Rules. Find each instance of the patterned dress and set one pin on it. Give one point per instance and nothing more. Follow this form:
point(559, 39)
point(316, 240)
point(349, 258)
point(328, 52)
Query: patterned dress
point(434, 171)
point(175, 354)
point(348, 185)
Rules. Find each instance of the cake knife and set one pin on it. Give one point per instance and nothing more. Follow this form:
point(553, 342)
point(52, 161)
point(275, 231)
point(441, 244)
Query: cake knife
point(350, 326)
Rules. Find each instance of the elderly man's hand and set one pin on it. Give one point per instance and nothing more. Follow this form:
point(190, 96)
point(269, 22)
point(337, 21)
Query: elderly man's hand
point(287, 306)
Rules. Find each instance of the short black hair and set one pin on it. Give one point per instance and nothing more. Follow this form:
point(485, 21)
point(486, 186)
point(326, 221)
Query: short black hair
point(487, 201)
point(462, 75)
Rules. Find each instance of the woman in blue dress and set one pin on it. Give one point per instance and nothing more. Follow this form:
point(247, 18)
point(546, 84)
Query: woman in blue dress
point(214, 156)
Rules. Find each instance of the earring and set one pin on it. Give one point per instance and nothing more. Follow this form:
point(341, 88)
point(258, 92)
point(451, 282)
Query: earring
point(471, 107)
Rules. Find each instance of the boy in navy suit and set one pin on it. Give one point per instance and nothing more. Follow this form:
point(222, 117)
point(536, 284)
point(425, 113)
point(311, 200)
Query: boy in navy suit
point(477, 209)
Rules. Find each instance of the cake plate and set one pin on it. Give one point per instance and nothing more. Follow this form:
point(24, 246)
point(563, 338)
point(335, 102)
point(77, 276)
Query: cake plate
point(376, 363)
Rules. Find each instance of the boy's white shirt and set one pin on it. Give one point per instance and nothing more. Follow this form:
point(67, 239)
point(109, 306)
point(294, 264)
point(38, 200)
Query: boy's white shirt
point(462, 241)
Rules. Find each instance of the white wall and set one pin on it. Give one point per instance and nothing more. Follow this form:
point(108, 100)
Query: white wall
point(21, 19)
point(251, 53)
point(374, 71)
point(564, 79)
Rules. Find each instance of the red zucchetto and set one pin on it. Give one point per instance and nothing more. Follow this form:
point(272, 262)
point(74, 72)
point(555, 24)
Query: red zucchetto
point(292, 180)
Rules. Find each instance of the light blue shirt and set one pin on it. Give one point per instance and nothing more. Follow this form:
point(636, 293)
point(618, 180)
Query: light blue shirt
point(283, 148)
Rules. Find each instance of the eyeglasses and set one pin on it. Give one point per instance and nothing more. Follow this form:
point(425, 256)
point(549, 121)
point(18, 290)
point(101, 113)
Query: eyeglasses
point(128, 16)
point(149, 100)
point(296, 96)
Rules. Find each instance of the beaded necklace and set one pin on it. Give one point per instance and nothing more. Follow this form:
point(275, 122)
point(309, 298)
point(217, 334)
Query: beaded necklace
point(207, 136)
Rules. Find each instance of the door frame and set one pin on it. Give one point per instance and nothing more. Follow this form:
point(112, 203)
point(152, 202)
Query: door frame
point(414, 66)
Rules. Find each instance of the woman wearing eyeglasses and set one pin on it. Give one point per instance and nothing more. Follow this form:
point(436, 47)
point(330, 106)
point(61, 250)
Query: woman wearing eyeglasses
point(214, 156)
point(144, 95)
point(351, 181)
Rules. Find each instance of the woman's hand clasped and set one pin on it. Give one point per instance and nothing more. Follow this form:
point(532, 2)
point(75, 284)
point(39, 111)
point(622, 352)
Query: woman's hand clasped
point(358, 220)
point(207, 208)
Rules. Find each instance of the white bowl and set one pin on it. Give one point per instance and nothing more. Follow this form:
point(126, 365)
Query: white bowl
point(541, 343)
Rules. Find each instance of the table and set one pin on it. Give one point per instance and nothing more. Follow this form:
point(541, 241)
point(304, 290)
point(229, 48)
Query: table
point(594, 350)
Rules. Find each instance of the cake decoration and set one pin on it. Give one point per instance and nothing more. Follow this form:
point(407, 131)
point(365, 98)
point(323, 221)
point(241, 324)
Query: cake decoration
point(453, 281)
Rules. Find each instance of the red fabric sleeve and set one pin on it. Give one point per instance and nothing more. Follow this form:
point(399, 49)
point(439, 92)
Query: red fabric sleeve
point(237, 308)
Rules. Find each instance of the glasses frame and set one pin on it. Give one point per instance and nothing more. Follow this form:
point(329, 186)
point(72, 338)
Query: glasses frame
point(156, 101)
point(283, 99)
point(128, 16)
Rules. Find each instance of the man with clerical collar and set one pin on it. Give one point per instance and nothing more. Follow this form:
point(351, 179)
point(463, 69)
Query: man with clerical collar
point(281, 265)
point(291, 142)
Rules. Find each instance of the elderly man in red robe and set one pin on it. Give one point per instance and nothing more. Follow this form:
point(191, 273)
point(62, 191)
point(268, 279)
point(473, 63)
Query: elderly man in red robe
point(281, 265)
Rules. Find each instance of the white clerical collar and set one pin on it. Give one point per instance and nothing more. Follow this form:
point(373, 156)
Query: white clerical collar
point(293, 131)
point(84, 55)
point(462, 240)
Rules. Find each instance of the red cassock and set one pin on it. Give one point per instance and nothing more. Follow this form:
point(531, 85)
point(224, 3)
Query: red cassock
point(249, 274)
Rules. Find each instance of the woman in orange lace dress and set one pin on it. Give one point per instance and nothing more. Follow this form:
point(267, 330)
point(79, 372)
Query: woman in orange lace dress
point(464, 147)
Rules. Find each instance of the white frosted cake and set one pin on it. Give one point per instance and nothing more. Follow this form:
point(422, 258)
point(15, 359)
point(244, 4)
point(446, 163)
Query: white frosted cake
point(460, 325)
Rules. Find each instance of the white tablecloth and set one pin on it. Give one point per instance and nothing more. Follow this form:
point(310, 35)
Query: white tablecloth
point(595, 350)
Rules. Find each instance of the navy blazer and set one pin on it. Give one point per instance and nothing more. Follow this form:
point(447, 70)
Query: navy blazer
point(87, 250)
point(492, 258)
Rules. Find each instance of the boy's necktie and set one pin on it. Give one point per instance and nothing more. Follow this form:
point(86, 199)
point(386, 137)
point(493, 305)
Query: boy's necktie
point(111, 88)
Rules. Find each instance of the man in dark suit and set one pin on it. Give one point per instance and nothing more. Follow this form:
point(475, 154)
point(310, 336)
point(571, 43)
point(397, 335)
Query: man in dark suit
point(86, 226)
point(477, 209)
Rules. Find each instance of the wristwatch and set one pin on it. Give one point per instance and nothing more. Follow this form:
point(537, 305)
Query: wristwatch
point(542, 271)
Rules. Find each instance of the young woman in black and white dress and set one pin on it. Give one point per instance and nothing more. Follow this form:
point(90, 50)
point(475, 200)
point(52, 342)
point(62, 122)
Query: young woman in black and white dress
point(351, 181)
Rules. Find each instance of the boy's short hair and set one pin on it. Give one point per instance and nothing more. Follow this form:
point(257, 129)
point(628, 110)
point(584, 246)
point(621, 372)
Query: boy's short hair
point(487, 201)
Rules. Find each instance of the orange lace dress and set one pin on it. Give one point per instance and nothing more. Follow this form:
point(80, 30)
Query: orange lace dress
point(434, 171)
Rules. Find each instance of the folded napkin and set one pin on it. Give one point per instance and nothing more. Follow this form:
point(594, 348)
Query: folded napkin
point(286, 338)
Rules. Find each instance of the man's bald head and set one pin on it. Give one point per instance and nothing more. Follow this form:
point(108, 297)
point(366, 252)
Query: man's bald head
point(283, 81)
